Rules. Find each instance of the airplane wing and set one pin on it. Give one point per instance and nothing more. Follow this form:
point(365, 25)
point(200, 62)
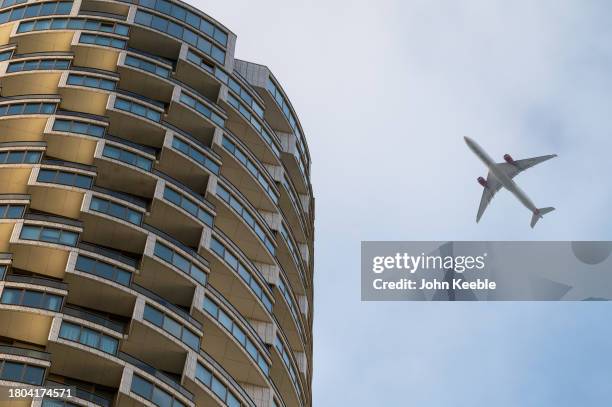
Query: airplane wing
point(519, 166)
point(493, 186)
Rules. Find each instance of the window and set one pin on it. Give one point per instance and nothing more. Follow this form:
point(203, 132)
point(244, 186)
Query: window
point(225, 195)
point(116, 210)
point(11, 211)
point(250, 166)
point(177, 31)
point(127, 157)
point(242, 271)
point(36, 10)
point(149, 391)
point(171, 326)
point(170, 256)
point(48, 234)
point(74, 126)
point(38, 64)
point(147, 66)
point(91, 82)
point(29, 298)
point(27, 108)
point(101, 40)
point(102, 269)
point(188, 205)
point(227, 322)
point(20, 157)
point(194, 153)
point(138, 109)
point(89, 337)
point(65, 178)
point(73, 24)
point(202, 108)
point(21, 372)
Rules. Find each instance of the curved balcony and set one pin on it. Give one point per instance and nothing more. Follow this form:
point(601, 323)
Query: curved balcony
point(243, 223)
point(113, 222)
point(290, 259)
point(22, 367)
point(254, 133)
point(74, 138)
point(17, 160)
point(145, 75)
point(171, 269)
point(285, 372)
point(104, 277)
point(198, 162)
point(145, 385)
point(28, 305)
point(170, 33)
point(125, 166)
point(33, 74)
point(180, 212)
point(247, 173)
point(86, 345)
point(23, 118)
point(232, 341)
point(288, 313)
point(157, 331)
point(194, 115)
point(58, 187)
point(199, 72)
point(213, 385)
point(43, 243)
point(237, 278)
point(136, 119)
point(86, 91)
point(294, 211)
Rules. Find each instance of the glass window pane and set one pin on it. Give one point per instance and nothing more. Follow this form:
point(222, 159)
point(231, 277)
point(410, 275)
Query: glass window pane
point(161, 398)
point(154, 316)
point(70, 332)
point(170, 325)
point(32, 299)
point(142, 387)
point(15, 211)
point(12, 371)
point(34, 375)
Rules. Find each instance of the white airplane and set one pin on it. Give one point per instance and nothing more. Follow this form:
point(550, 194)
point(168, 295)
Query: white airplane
point(501, 175)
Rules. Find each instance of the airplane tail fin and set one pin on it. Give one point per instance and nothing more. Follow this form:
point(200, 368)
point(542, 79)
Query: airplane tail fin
point(540, 214)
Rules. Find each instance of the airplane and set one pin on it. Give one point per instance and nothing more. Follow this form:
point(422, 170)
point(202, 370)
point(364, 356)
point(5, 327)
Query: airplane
point(501, 175)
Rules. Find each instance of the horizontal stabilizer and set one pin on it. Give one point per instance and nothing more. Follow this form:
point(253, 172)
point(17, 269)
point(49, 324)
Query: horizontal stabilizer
point(540, 214)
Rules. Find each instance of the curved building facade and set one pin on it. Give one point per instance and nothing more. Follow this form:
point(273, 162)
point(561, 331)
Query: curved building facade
point(156, 212)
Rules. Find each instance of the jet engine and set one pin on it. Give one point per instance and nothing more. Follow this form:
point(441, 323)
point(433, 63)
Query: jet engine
point(508, 158)
point(482, 181)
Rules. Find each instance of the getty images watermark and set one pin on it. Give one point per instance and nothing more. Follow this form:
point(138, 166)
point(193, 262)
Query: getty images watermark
point(486, 271)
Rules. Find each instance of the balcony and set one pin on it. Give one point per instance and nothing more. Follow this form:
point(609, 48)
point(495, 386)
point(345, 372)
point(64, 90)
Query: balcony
point(194, 115)
point(125, 166)
point(58, 187)
point(197, 161)
point(113, 222)
point(242, 223)
point(34, 75)
point(74, 138)
point(171, 269)
point(247, 173)
point(161, 336)
point(42, 244)
point(232, 341)
point(136, 119)
point(86, 91)
point(28, 306)
point(180, 212)
point(145, 75)
point(237, 278)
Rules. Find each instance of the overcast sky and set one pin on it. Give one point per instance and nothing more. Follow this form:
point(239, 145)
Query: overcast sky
point(385, 91)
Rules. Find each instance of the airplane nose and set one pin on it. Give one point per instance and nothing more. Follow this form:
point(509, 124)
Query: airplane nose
point(468, 140)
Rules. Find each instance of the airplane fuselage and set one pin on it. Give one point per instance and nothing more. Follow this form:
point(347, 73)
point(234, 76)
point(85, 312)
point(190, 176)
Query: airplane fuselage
point(503, 179)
